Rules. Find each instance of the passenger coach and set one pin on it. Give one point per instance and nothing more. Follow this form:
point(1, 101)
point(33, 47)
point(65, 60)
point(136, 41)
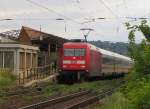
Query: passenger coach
point(79, 60)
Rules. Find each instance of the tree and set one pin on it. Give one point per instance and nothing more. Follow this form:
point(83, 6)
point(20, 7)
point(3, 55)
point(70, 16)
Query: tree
point(140, 53)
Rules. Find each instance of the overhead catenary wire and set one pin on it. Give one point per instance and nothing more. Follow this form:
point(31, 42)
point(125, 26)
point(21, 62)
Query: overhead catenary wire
point(66, 17)
point(97, 33)
point(126, 7)
point(108, 8)
point(77, 4)
point(53, 11)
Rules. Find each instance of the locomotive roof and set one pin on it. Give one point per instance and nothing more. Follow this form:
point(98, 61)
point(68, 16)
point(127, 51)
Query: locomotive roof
point(103, 51)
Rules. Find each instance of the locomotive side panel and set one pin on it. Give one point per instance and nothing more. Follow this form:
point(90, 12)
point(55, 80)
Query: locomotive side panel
point(95, 63)
point(60, 58)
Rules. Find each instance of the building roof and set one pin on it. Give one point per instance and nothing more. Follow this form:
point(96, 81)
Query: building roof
point(14, 46)
point(7, 40)
point(37, 36)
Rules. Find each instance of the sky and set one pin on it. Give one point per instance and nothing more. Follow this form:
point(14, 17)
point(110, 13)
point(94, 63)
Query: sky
point(75, 15)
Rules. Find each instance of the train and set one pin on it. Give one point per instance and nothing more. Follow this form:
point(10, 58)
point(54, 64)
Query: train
point(79, 61)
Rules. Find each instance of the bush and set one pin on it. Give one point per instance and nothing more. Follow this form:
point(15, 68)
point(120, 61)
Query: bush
point(143, 101)
point(6, 78)
point(137, 91)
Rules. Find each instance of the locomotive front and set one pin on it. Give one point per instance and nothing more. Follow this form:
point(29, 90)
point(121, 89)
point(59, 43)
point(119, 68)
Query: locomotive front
point(74, 61)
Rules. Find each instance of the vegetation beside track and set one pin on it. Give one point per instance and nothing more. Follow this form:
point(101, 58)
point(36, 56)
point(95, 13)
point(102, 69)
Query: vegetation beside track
point(63, 89)
point(6, 78)
point(134, 94)
point(116, 101)
point(95, 86)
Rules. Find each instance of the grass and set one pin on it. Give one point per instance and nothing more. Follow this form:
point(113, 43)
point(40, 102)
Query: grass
point(62, 89)
point(135, 94)
point(6, 78)
point(65, 89)
point(116, 101)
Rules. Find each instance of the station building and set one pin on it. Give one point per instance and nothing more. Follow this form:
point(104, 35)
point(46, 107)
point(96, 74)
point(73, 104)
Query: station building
point(15, 56)
point(48, 44)
point(31, 49)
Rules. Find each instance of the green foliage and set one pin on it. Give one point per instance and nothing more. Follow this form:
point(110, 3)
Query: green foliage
point(145, 29)
point(141, 53)
point(137, 87)
point(6, 78)
point(137, 91)
point(116, 101)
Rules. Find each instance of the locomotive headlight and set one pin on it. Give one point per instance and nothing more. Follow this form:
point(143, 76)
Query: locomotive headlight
point(81, 62)
point(83, 66)
point(66, 62)
point(64, 66)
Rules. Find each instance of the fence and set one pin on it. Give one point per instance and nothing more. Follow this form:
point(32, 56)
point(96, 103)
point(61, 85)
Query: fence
point(34, 73)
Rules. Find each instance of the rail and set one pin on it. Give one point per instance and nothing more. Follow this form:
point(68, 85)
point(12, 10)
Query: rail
point(43, 104)
point(86, 100)
point(75, 100)
point(89, 100)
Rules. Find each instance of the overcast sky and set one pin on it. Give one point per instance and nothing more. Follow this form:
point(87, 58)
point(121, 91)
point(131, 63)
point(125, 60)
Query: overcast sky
point(75, 14)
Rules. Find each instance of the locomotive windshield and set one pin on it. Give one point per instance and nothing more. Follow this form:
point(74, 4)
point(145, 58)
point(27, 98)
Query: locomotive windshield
point(74, 52)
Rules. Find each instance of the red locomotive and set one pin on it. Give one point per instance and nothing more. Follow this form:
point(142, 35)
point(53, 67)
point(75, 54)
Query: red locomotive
point(81, 60)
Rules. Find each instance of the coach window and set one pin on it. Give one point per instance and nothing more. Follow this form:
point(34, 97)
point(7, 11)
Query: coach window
point(118, 61)
point(126, 63)
point(107, 60)
point(123, 62)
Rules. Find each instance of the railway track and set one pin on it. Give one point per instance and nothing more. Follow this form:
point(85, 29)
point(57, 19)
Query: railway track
point(72, 101)
point(89, 100)
point(54, 103)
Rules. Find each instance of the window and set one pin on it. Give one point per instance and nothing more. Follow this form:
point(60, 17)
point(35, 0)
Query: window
point(69, 52)
point(8, 60)
point(22, 61)
point(28, 60)
point(34, 60)
point(79, 52)
point(108, 60)
point(74, 52)
point(1, 59)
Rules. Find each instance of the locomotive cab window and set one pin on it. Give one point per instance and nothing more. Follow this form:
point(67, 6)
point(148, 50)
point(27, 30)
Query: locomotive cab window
point(74, 52)
point(68, 52)
point(79, 52)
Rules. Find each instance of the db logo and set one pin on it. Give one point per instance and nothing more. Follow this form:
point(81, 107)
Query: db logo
point(73, 62)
